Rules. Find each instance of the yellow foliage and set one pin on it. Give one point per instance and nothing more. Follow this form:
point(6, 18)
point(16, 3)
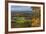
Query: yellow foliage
point(35, 22)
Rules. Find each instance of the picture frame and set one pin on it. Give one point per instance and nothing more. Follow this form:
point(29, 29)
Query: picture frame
point(8, 5)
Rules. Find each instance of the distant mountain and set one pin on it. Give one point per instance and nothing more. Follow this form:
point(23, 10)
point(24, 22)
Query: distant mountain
point(13, 13)
point(21, 11)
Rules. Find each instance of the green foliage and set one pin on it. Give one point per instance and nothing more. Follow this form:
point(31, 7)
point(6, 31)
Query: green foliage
point(19, 19)
point(22, 22)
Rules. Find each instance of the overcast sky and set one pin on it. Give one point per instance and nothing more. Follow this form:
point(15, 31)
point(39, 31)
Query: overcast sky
point(21, 8)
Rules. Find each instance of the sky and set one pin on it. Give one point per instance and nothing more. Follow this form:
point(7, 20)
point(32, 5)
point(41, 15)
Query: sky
point(21, 8)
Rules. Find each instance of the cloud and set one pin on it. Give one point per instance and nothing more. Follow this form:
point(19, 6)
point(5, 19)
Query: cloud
point(21, 8)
